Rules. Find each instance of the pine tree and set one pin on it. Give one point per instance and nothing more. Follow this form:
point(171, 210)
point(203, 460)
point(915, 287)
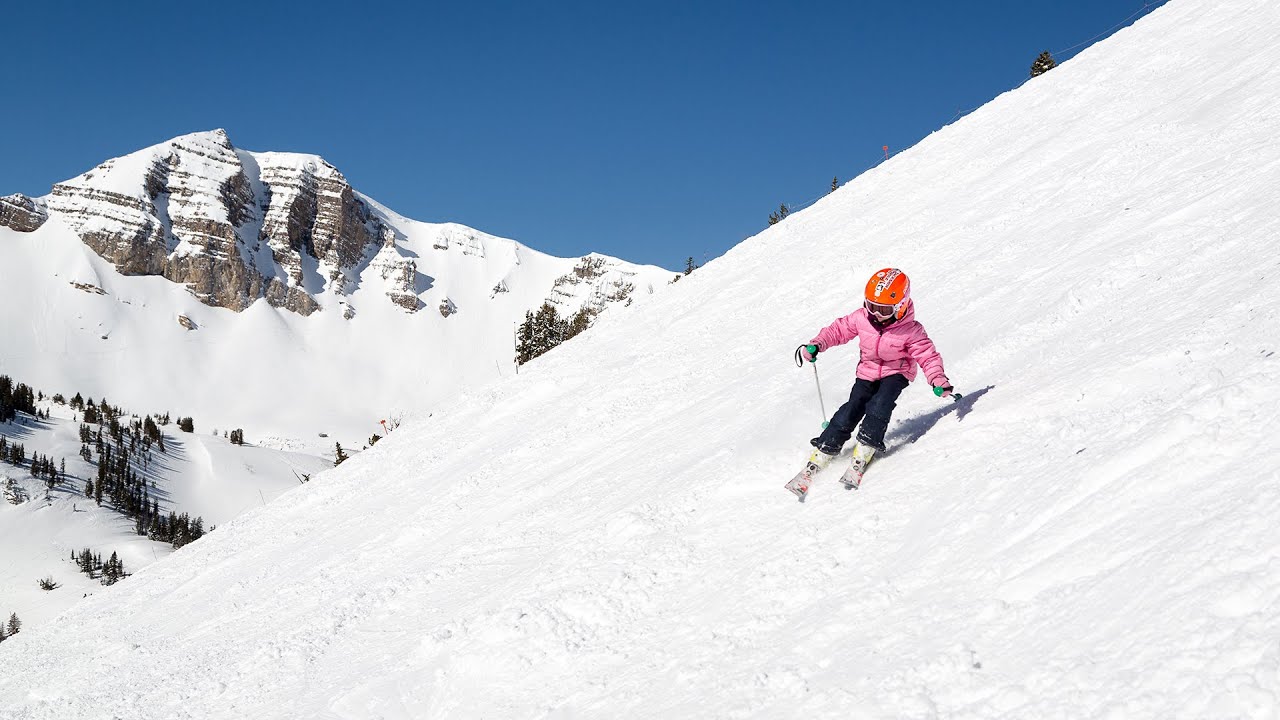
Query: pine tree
point(15, 625)
point(548, 329)
point(113, 570)
point(339, 457)
point(835, 183)
point(779, 215)
point(524, 340)
point(1043, 64)
point(580, 321)
point(690, 265)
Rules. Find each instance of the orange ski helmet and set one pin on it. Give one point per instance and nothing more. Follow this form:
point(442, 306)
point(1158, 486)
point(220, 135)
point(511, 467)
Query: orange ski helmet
point(888, 295)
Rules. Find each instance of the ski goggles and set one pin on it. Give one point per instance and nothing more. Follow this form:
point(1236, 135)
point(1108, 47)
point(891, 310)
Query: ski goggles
point(884, 312)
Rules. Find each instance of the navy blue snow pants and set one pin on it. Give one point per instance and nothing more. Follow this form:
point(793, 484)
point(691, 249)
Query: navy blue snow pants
point(871, 402)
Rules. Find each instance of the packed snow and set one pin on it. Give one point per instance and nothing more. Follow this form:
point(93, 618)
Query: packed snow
point(1090, 532)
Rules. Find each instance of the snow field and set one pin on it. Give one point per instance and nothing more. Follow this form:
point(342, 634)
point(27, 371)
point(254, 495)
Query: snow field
point(1089, 533)
point(201, 475)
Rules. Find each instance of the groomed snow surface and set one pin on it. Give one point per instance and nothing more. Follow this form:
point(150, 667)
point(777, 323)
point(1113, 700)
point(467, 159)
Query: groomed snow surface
point(1091, 533)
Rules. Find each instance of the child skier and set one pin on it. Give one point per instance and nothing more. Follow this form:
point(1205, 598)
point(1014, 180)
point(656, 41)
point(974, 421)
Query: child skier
point(892, 343)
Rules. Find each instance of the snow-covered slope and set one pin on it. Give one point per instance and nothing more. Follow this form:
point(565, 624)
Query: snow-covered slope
point(351, 313)
point(124, 281)
point(199, 474)
point(1091, 533)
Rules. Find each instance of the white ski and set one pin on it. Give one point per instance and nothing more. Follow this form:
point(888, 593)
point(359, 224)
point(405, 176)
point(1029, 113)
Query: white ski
point(862, 455)
point(800, 483)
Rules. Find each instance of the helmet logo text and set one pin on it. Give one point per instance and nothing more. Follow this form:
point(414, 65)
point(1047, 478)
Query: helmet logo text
point(886, 281)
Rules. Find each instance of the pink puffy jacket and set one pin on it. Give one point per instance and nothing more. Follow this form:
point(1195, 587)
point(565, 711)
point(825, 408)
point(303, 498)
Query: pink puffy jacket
point(895, 350)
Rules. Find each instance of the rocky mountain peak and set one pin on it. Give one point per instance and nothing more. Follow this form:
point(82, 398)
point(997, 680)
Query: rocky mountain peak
point(232, 226)
point(235, 226)
point(22, 213)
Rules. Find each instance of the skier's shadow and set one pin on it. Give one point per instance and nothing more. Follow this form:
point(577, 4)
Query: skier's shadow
point(912, 429)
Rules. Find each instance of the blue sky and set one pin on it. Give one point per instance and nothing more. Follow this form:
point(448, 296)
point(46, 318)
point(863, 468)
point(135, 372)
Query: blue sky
point(651, 131)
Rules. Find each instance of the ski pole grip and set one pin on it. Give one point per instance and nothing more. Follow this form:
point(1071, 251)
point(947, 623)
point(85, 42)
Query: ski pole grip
point(801, 356)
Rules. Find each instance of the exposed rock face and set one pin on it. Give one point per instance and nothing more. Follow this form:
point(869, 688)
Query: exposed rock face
point(235, 227)
point(232, 226)
point(400, 273)
point(21, 213)
point(312, 210)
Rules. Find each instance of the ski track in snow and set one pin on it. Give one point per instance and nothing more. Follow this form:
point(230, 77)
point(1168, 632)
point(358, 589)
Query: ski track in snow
point(1090, 533)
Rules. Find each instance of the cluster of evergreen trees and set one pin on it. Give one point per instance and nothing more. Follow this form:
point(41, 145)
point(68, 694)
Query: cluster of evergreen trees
point(784, 210)
point(122, 451)
point(108, 573)
point(13, 628)
point(175, 529)
point(545, 329)
point(15, 398)
point(43, 468)
point(12, 453)
point(1043, 64)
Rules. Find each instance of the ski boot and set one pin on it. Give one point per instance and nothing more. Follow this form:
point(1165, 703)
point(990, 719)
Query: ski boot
point(800, 483)
point(862, 455)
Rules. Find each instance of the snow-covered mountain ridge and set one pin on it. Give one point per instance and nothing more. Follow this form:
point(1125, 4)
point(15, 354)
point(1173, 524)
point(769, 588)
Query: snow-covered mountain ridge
point(342, 312)
point(1090, 533)
point(236, 226)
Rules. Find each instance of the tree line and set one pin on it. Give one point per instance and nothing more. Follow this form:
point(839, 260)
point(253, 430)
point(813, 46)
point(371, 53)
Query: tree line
point(13, 627)
point(122, 448)
point(545, 329)
point(1043, 63)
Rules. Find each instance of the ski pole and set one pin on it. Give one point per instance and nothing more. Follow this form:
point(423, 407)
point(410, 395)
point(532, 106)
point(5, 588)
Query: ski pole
point(821, 404)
